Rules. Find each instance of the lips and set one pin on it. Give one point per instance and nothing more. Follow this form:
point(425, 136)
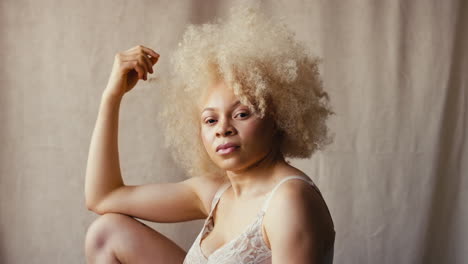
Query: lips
point(227, 145)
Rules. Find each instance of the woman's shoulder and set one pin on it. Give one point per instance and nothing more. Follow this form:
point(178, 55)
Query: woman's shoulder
point(300, 193)
point(206, 188)
point(289, 172)
point(304, 204)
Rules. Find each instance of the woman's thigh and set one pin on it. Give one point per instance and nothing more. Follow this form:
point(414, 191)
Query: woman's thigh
point(120, 237)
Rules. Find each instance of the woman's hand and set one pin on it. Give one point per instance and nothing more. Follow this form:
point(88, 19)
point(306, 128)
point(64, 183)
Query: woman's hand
point(130, 66)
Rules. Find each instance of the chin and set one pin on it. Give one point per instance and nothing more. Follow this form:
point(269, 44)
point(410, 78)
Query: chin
point(234, 164)
point(230, 163)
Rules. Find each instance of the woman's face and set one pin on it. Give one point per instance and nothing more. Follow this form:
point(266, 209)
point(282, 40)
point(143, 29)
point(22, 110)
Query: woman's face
point(225, 120)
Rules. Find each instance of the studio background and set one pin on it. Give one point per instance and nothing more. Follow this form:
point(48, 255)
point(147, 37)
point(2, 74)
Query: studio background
point(395, 178)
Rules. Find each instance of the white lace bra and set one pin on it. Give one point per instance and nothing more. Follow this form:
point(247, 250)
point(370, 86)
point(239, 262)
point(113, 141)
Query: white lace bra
point(247, 248)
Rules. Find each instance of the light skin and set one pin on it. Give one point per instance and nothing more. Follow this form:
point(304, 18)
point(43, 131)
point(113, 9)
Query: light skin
point(117, 237)
point(253, 165)
point(253, 169)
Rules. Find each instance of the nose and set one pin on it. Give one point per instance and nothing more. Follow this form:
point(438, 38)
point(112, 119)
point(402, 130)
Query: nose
point(224, 128)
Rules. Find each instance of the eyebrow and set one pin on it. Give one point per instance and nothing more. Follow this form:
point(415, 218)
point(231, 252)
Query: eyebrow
point(213, 108)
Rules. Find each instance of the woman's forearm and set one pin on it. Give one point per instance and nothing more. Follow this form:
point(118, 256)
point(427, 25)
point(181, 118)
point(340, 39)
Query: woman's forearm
point(103, 173)
point(103, 169)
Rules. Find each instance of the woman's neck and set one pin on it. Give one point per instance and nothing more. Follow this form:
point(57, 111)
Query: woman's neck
point(256, 179)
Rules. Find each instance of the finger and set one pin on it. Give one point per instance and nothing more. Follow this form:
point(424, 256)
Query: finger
point(145, 60)
point(141, 71)
point(150, 51)
point(138, 68)
point(144, 49)
point(140, 62)
point(154, 60)
point(136, 54)
point(127, 66)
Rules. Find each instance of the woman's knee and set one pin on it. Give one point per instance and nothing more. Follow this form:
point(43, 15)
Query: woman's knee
point(101, 232)
point(117, 238)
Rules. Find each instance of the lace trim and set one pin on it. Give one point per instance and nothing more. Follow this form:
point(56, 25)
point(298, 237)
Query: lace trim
point(249, 247)
point(253, 228)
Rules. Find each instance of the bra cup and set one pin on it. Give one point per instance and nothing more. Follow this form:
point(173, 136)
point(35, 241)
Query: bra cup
point(250, 246)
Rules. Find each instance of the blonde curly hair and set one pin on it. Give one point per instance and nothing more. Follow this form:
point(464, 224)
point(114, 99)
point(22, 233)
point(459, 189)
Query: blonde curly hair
point(268, 70)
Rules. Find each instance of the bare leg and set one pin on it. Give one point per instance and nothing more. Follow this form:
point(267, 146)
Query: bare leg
point(118, 238)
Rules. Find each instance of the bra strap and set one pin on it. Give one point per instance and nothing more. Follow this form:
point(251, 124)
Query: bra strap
point(267, 202)
point(218, 194)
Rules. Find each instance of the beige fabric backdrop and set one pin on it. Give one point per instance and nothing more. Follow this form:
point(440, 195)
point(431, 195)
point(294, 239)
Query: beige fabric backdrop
point(395, 178)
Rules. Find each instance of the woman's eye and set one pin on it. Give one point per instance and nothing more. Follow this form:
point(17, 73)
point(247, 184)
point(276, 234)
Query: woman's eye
point(208, 121)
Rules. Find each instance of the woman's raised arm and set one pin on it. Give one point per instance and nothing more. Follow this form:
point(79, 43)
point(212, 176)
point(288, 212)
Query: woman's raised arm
point(103, 169)
point(105, 191)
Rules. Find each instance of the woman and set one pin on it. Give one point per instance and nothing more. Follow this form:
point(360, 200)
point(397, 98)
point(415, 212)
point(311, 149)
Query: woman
point(244, 95)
